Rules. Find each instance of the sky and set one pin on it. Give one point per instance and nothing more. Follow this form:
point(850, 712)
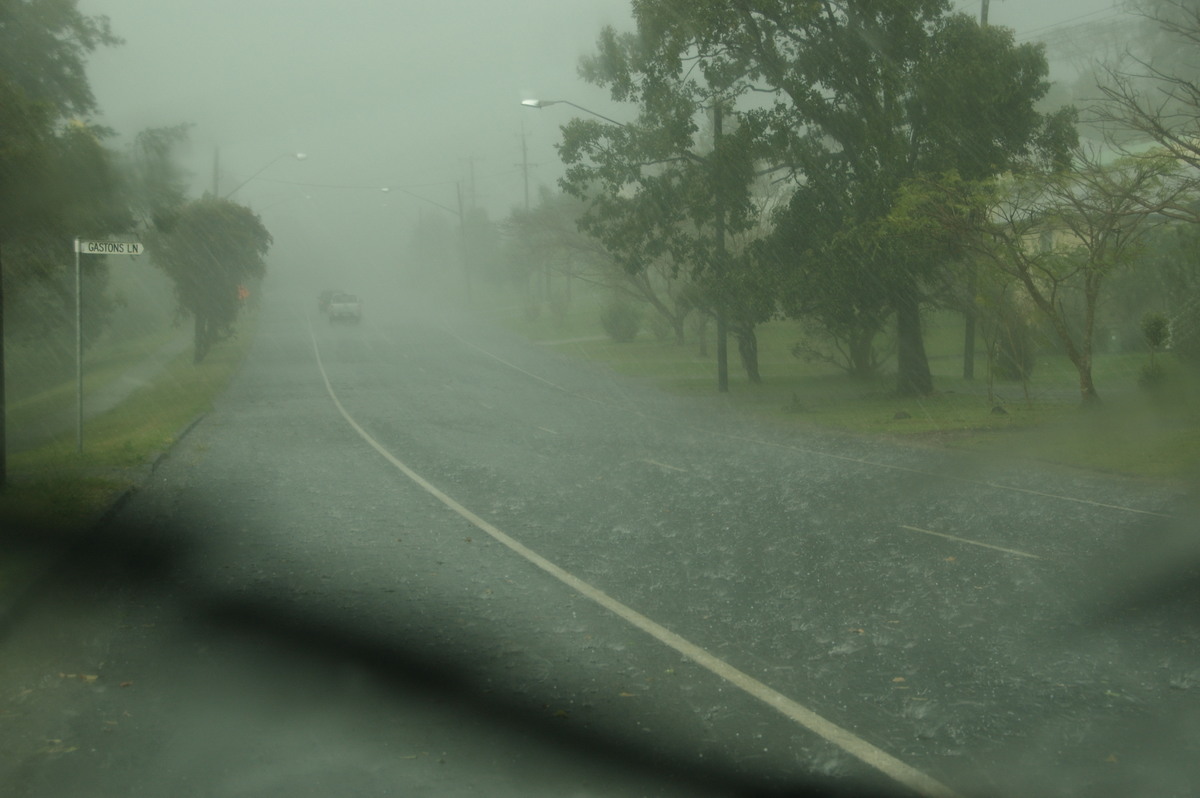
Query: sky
point(423, 98)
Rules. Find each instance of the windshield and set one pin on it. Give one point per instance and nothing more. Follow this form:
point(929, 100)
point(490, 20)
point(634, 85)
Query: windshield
point(599, 398)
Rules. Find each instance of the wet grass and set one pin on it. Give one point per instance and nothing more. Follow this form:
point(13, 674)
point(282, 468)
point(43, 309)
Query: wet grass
point(1134, 432)
point(39, 406)
point(54, 486)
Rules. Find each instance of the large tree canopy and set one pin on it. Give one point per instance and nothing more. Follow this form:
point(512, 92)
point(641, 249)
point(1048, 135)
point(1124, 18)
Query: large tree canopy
point(853, 98)
point(57, 180)
point(43, 50)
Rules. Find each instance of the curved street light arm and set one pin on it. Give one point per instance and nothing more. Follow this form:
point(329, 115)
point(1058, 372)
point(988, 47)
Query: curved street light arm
point(544, 103)
point(299, 156)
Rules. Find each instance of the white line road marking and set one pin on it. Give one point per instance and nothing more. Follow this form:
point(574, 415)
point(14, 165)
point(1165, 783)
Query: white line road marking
point(663, 465)
point(972, 542)
point(848, 741)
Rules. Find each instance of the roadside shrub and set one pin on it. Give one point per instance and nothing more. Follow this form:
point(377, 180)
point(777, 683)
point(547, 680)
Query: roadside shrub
point(1156, 330)
point(621, 320)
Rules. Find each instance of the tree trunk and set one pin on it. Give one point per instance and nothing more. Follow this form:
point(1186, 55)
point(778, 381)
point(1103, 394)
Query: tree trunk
point(1087, 388)
point(970, 314)
point(861, 363)
point(748, 349)
point(913, 378)
point(969, 345)
point(202, 339)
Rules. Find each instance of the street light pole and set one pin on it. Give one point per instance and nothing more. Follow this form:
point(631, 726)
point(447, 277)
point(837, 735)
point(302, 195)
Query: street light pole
point(719, 233)
point(299, 156)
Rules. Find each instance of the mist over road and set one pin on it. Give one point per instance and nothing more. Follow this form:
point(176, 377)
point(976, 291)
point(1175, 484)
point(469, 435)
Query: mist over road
point(320, 622)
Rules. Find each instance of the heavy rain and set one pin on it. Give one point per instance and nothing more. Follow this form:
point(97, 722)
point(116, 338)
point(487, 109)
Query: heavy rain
point(599, 398)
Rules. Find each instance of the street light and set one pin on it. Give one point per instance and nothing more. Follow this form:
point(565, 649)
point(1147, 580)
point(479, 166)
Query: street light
point(544, 103)
point(719, 229)
point(299, 156)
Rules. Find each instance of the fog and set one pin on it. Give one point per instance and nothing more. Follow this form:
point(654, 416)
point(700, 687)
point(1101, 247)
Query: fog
point(1007, 592)
point(422, 98)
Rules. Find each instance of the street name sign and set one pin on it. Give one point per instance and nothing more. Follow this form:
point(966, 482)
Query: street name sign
point(109, 247)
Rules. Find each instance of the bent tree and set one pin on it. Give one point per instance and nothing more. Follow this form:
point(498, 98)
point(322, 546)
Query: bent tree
point(211, 249)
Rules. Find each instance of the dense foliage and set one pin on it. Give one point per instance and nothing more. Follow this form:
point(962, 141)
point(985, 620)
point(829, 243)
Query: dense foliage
point(212, 249)
point(845, 102)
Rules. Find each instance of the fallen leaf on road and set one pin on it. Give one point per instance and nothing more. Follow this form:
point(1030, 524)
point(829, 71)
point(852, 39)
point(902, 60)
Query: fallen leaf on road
point(83, 677)
point(57, 747)
point(126, 684)
point(626, 695)
point(899, 679)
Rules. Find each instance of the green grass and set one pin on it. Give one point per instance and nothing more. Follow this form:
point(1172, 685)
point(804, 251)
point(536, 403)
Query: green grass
point(101, 368)
point(56, 487)
point(1132, 432)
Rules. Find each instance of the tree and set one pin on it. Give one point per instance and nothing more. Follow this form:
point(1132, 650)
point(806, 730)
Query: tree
point(546, 239)
point(830, 280)
point(863, 95)
point(1060, 235)
point(57, 179)
point(1154, 97)
point(156, 183)
point(44, 99)
point(656, 189)
point(211, 249)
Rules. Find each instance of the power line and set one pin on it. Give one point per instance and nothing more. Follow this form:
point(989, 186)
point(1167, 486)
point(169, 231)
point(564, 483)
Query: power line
point(1106, 13)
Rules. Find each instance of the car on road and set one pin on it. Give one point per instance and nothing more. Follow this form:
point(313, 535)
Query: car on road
point(345, 307)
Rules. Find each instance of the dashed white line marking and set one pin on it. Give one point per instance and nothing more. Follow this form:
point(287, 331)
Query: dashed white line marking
point(663, 465)
point(971, 542)
point(846, 740)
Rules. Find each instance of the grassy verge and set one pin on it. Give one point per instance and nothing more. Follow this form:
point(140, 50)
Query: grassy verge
point(101, 368)
point(54, 487)
point(1133, 432)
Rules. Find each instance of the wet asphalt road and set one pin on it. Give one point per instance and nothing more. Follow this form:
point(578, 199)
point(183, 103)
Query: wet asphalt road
point(284, 611)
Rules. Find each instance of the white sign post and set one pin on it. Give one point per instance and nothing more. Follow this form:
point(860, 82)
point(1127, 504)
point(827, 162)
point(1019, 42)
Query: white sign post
point(90, 248)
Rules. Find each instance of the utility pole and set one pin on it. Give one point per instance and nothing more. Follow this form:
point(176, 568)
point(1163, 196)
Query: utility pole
point(719, 203)
point(463, 248)
point(471, 185)
point(545, 275)
point(525, 164)
point(969, 314)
